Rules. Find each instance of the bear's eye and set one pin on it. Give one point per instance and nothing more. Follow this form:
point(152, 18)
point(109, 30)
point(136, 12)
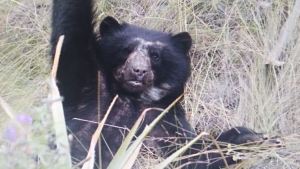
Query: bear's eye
point(155, 56)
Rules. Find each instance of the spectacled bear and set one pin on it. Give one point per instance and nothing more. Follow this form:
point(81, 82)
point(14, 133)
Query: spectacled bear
point(145, 68)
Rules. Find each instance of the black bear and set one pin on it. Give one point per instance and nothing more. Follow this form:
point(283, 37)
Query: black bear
point(146, 68)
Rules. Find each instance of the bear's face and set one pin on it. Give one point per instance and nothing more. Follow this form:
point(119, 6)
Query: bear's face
point(144, 62)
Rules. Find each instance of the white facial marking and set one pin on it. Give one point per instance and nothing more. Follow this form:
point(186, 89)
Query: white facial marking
point(143, 42)
point(156, 93)
point(166, 86)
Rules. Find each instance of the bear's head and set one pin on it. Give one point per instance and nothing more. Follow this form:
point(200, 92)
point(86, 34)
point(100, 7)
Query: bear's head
point(142, 62)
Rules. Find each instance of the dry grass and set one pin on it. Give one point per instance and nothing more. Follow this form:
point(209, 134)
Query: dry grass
point(237, 76)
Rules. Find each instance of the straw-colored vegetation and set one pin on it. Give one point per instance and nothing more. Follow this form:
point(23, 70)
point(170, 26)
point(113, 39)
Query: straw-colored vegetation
point(245, 59)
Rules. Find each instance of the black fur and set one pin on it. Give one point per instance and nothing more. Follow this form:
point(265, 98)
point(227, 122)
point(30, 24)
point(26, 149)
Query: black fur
point(145, 68)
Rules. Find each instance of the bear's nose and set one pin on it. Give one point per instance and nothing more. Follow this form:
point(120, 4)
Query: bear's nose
point(139, 73)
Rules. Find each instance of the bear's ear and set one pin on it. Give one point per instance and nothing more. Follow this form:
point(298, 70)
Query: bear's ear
point(108, 26)
point(183, 40)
